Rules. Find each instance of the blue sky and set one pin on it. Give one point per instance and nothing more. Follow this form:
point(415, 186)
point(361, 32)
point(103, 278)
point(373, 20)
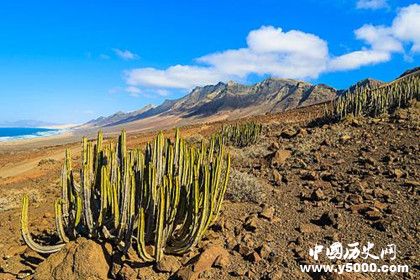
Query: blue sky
point(71, 61)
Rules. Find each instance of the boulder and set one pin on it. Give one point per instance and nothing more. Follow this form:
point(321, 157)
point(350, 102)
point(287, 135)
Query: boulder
point(208, 257)
point(81, 259)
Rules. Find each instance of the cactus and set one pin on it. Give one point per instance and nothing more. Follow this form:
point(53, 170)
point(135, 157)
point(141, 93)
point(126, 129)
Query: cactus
point(377, 101)
point(241, 135)
point(164, 198)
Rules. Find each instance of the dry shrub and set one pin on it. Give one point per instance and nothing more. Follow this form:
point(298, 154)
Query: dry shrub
point(244, 187)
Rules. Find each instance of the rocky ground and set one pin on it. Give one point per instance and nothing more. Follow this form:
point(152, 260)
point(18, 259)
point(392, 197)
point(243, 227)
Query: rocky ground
point(304, 183)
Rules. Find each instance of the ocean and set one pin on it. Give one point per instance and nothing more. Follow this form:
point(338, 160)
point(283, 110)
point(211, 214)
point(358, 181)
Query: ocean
point(14, 133)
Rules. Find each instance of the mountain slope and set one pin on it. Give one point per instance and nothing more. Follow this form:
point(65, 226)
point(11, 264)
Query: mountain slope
point(269, 96)
point(117, 117)
point(233, 100)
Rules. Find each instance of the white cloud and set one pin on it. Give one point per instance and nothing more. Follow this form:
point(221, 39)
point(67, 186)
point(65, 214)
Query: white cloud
point(178, 76)
point(292, 54)
point(358, 59)
point(372, 4)
point(406, 26)
point(383, 41)
point(380, 38)
point(288, 54)
point(125, 54)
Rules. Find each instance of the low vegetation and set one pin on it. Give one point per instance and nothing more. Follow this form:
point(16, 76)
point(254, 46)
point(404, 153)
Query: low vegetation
point(244, 187)
point(241, 135)
point(377, 101)
point(159, 201)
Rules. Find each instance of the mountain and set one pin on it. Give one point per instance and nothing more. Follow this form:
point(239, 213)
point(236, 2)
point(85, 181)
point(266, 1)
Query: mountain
point(117, 117)
point(232, 99)
point(368, 83)
point(27, 123)
point(410, 71)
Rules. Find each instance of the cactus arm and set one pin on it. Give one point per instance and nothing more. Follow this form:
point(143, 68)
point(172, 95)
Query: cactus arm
point(27, 236)
point(160, 225)
point(141, 246)
point(58, 205)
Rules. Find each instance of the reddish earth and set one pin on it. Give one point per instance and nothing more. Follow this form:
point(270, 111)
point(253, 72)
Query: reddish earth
point(302, 184)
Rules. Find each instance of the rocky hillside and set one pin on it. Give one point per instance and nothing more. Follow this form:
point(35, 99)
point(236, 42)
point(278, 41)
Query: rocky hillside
point(234, 101)
point(269, 96)
point(368, 83)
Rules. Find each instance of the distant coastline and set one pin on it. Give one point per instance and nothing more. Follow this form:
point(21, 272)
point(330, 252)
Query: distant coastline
point(16, 133)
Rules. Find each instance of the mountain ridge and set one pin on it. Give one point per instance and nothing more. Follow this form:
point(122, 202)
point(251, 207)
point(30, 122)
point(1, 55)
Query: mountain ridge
point(272, 95)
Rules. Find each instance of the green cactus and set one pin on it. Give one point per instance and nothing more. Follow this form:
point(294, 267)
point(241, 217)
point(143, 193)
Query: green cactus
point(160, 201)
point(376, 101)
point(241, 135)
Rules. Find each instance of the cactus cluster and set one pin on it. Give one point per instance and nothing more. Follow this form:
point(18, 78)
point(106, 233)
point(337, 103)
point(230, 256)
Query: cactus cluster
point(377, 101)
point(159, 201)
point(241, 135)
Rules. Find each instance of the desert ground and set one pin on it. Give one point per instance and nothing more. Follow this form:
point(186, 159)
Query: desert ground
point(303, 183)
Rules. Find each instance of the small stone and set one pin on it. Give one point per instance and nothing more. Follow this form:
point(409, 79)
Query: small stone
point(379, 205)
point(345, 137)
point(388, 158)
point(253, 257)
point(289, 133)
point(222, 261)
point(398, 173)
point(373, 215)
point(243, 249)
point(127, 273)
point(264, 251)
point(411, 183)
point(354, 199)
point(310, 176)
point(267, 213)
point(379, 226)
point(327, 219)
point(231, 242)
point(251, 224)
point(359, 208)
point(275, 275)
point(239, 271)
point(326, 142)
point(277, 177)
point(274, 146)
point(280, 156)
point(186, 273)
point(308, 228)
point(208, 257)
point(318, 195)
point(168, 264)
point(357, 187)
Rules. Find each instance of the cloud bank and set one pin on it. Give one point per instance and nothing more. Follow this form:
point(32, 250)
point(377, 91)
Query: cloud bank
point(292, 54)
